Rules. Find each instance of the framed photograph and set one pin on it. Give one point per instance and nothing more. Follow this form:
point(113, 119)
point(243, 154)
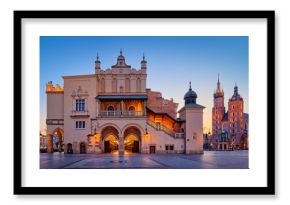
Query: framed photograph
point(144, 102)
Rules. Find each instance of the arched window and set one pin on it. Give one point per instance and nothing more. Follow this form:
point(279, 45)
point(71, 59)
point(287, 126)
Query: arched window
point(127, 85)
point(121, 89)
point(111, 108)
point(138, 85)
point(131, 110)
point(103, 85)
point(111, 111)
point(114, 85)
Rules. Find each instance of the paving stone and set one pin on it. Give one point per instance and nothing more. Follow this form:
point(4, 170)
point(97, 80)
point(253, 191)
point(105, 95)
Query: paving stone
point(208, 160)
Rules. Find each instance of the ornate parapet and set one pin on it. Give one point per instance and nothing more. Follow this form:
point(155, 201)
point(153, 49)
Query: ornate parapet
point(51, 89)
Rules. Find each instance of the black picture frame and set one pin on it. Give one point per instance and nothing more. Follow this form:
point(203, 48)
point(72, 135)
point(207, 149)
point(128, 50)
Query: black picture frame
point(269, 16)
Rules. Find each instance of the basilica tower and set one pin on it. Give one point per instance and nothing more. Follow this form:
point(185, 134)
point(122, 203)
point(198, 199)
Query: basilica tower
point(236, 122)
point(218, 109)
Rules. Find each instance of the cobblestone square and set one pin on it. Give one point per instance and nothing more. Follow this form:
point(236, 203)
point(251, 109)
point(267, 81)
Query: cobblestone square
point(208, 160)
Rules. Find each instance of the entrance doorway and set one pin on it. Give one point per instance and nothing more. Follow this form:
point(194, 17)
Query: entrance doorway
point(107, 146)
point(136, 146)
point(69, 148)
point(82, 148)
point(111, 144)
point(225, 146)
point(152, 149)
point(131, 143)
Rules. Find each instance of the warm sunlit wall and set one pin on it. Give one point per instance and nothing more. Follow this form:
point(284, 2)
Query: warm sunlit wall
point(55, 99)
point(87, 83)
point(160, 105)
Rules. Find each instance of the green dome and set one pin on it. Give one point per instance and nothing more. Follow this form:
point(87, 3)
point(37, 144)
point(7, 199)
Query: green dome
point(190, 96)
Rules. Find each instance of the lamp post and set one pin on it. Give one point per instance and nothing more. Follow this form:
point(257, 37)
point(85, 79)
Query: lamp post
point(146, 139)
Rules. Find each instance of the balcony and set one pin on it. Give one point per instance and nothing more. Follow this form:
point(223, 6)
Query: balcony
point(80, 114)
point(121, 114)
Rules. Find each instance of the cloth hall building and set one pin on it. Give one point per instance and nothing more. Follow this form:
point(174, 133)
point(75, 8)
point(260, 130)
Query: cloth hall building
point(113, 111)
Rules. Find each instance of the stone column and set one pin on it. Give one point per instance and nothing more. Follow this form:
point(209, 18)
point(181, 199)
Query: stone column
point(98, 107)
point(145, 105)
point(49, 143)
point(121, 145)
point(59, 143)
point(122, 107)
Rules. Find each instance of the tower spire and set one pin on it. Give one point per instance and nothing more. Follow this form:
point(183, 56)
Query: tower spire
point(97, 62)
point(121, 52)
point(190, 85)
point(236, 88)
point(218, 91)
point(236, 94)
point(143, 62)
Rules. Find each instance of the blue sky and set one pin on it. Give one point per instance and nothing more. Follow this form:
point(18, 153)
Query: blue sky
point(172, 62)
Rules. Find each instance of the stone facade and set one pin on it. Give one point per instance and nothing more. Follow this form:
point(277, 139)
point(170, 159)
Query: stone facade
point(112, 110)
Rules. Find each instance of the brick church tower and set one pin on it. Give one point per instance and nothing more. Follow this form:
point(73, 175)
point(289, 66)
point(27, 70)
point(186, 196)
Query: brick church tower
point(236, 123)
point(218, 109)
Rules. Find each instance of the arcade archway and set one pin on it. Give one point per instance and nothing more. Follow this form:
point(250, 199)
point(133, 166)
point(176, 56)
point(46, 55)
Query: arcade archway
point(57, 140)
point(132, 140)
point(110, 139)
